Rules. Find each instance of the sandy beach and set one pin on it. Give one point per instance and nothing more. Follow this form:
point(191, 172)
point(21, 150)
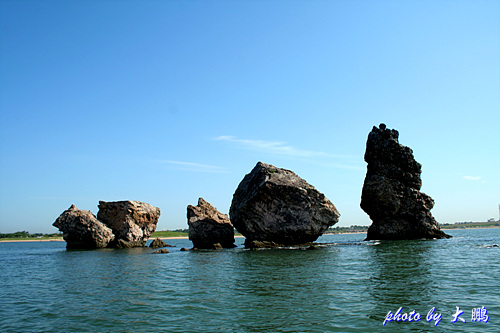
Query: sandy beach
point(30, 240)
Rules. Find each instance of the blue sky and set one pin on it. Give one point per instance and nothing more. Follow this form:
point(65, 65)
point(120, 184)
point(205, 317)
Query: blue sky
point(167, 101)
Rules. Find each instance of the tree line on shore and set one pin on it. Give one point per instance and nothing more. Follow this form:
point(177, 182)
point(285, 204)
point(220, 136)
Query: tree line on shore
point(26, 234)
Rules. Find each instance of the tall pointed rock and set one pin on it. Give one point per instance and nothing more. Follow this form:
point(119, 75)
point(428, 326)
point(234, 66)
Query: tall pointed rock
point(391, 192)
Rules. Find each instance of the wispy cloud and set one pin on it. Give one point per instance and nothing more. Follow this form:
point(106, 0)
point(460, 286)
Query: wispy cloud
point(273, 147)
point(283, 148)
point(195, 167)
point(476, 178)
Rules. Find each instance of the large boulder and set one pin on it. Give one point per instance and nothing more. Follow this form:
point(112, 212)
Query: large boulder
point(209, 228)
point(275, 206)
point(391, 192)
point(132, 222)
point(82, 230)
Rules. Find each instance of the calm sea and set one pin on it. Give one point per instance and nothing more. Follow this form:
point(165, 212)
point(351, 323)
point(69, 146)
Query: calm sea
point(349, 286)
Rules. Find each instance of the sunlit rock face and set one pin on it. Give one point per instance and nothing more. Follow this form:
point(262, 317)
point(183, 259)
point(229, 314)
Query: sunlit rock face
point(391, 191)
point(82, 230)
point(132, 222)
point(119, 224)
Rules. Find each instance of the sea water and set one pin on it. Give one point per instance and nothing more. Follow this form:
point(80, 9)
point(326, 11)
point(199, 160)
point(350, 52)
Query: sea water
point(349, 286)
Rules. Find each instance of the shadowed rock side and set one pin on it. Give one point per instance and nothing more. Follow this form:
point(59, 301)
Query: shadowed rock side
point(275, 206)
point(82, 230)
point(208, 228)
point(391, 192)
point(132, 222)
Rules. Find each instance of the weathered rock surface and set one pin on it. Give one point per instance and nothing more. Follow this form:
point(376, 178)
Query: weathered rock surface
point(82, 230)
point(276, 206)
point(157, 242)
point(391, 192)
point(132, 222)
point(209, 228)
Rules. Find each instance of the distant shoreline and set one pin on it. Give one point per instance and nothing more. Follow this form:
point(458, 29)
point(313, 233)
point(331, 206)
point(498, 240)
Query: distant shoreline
point(492, 227)
point(30, 240)
point(364, 232)
point(239, 236)
point(62, 240)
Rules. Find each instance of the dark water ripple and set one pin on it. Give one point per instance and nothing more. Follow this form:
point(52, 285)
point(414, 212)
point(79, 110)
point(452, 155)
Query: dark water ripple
point(346, 287)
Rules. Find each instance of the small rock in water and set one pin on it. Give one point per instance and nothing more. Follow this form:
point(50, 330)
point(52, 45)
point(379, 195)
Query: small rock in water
point(161, 251)
point(157, 242)
point(255, 244)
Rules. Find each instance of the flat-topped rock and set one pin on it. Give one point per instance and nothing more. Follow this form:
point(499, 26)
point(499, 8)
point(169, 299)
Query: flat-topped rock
point(391, 191)
point(275, 206)
point(82, 230)
point(209, 228)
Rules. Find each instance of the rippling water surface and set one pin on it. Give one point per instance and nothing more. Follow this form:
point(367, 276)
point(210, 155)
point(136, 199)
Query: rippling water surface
point(349, 286)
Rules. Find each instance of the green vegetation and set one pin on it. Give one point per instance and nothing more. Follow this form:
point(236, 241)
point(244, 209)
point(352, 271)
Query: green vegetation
point(25, 235)
point(170, 233)
point(345, 230)
point(466, 225)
